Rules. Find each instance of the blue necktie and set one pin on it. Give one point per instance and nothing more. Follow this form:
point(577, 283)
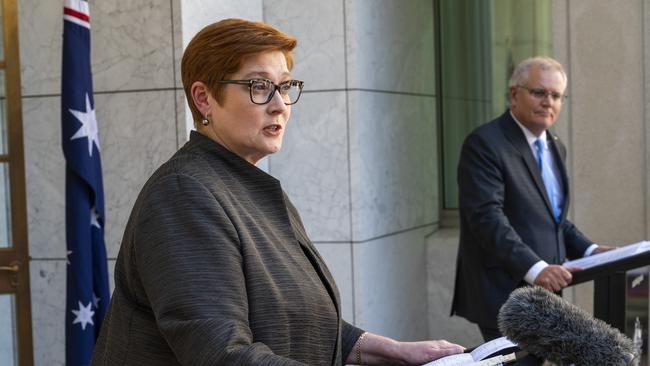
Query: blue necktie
point(547, 177)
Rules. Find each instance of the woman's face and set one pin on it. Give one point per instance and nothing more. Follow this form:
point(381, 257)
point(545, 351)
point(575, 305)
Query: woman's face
point(250, 130)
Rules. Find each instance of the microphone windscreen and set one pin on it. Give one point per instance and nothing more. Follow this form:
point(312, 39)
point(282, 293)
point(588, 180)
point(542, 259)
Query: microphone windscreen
point(548, 327)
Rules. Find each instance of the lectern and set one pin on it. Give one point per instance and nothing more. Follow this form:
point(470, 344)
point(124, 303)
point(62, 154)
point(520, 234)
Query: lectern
point(610, 286)
point(621, 292)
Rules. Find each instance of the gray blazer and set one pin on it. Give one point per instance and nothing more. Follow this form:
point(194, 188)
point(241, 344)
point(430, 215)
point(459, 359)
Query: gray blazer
point(215, 268)
point(506, 221)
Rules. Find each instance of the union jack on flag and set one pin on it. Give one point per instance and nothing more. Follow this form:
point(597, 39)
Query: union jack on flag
point(87, 293)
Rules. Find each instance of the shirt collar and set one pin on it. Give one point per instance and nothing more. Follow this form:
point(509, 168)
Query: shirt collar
point(530, 137)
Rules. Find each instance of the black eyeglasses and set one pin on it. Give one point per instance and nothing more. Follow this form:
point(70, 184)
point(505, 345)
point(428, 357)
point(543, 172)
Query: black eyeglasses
point(262, 90)
point(543, 94)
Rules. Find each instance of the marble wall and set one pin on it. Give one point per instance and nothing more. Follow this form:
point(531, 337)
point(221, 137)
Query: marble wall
point(604, 48)
point(442, 247)
point(359, 158)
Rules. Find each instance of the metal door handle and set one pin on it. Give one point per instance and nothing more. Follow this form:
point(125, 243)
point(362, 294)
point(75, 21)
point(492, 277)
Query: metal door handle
point(12, 267)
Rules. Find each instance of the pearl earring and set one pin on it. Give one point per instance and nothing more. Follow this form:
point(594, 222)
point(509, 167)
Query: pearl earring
point(205, 121)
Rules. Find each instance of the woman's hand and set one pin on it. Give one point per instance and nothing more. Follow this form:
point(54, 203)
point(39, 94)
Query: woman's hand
point(373, 349)
point(418, 353)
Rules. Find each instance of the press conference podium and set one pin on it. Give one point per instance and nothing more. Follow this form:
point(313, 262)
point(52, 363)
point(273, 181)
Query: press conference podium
point(613, 278)
point(621, 293)
point(616, 274)
point(610, 287)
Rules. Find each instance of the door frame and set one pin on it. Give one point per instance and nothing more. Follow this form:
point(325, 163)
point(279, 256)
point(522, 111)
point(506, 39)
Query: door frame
point(16, 283)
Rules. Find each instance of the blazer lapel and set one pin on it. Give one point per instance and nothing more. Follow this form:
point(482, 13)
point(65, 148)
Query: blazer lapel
point(513, 133)
point(320, 267)
point(314, 258)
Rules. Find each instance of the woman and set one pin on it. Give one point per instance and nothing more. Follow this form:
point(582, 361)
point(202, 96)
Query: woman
point(215, 267)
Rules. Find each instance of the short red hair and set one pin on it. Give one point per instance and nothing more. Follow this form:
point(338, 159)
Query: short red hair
point(220, 49)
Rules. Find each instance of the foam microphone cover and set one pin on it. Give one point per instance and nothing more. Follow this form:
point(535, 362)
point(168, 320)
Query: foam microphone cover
point(548, 327)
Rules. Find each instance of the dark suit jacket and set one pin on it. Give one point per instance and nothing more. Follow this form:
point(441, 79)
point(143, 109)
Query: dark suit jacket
point(215, 268)
point(506, 222)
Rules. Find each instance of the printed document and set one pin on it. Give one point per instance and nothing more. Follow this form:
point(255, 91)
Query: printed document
point(479, 353)
point(613, 255)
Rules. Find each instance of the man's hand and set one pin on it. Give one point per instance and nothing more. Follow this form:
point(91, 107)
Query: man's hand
point(554, 278)
point(601, 249)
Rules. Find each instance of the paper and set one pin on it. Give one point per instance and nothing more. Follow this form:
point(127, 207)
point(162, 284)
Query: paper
point(490, 348)
point(499, 360)
point(455, 360)
point(623, 252)
point(479, 353)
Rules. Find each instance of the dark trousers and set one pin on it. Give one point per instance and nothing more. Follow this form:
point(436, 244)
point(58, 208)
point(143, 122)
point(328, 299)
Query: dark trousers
point(493, 333)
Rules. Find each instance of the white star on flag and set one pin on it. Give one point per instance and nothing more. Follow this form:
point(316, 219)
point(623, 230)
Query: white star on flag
point(88, 127)
point(84, 315)
point(94, 218)
point(67, 259)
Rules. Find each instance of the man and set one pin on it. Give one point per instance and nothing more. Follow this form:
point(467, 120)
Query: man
point(513, 200)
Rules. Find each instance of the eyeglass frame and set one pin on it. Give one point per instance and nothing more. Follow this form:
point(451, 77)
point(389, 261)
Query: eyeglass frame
point(537, 94)
point(276, 88)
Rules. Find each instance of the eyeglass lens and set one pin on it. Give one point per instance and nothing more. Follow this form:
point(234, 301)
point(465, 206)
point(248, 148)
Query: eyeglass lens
point(262, 91)
point(541, 94)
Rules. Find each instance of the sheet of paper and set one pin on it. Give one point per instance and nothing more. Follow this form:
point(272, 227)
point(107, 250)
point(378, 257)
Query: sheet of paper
point(609, 256)
point(491, 347)
point(497, 360)
point(477, 354)
point(455, 360)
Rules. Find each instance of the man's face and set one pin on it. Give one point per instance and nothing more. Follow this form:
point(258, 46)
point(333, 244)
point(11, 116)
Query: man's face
point(537, 103)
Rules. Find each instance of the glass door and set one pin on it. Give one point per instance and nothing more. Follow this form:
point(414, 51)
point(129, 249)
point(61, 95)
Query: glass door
point(15, 305)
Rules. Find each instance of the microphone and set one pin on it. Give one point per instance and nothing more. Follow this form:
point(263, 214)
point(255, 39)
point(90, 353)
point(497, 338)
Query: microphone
point(548, 327)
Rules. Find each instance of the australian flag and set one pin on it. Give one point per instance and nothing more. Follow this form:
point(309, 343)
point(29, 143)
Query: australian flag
point(87, 273)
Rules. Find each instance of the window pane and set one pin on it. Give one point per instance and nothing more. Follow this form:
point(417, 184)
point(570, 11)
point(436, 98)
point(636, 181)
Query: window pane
point(481, 41)
point(466, 54)
point(5, 207)
point(8, 351)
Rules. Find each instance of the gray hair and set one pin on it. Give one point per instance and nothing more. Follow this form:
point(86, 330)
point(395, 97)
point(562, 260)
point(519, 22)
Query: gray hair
point(520, 73)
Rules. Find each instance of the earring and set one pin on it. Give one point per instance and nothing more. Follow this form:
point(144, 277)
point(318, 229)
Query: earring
point(205, 121)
